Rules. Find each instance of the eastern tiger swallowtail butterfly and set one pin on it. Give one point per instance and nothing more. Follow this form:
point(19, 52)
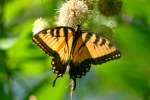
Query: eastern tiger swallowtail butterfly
point(75, 50)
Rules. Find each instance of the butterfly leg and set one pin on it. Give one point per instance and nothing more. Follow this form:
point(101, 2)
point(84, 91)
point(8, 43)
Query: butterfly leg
point(55, 80)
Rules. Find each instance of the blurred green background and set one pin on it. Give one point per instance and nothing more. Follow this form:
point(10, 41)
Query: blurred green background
point(25, 71)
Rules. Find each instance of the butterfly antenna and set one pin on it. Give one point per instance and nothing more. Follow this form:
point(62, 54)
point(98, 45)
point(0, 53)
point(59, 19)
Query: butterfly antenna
point(72, 87)
point(55, 80)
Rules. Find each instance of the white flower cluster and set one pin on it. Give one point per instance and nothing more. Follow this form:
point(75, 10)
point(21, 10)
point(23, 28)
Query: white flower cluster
point(72, 13)
point(39, 25)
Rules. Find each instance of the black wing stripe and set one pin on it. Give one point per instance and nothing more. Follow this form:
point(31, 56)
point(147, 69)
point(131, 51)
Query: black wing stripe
point(103, 41)
point(57, 32)
point(52, 32)
point(66, 35)
point(87, 37)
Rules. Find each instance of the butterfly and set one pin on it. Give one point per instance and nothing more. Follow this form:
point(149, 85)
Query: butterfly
point(74, 50)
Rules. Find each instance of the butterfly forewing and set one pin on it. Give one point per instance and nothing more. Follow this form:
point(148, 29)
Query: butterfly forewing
point(56, 42)
point(100, 48)
point(94, 48)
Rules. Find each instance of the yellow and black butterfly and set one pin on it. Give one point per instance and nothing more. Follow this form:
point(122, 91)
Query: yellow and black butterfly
point(74, 51)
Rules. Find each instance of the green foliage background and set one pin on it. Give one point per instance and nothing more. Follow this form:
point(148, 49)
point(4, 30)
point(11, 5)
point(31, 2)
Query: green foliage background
point(25, 71)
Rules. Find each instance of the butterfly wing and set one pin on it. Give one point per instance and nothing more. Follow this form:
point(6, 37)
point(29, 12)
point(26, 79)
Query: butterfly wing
point(91, 49)
point(100, 49)
point(56, 42)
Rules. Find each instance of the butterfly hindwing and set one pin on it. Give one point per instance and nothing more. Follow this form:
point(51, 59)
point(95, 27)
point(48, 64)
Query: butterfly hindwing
point(56, 42)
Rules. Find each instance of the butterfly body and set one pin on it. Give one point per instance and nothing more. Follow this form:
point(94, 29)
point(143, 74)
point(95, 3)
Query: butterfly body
point(74, 48)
